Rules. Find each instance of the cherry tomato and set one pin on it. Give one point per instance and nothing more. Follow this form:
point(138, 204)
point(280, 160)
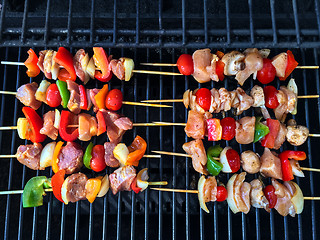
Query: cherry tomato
point(204, 98)
point(269, 192)
point(185, 64)
point(53, 96)
point(220, 70)
point(267, 73)
point(233, 160)
point(270, 96)
point(114, 100)
point(228, 128)
point(97, 162)
point(222, 193)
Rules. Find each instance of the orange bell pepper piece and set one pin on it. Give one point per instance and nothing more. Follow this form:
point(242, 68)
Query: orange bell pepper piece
point(100, 97)
point(136, 151)
point(55, 167)
point(32, 64)
point(93, 186)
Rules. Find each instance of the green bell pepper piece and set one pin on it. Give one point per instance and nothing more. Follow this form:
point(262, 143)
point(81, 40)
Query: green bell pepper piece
point(47, 184)
point(260, 131)
point(64, 92)
point(87, 155)
point(33, 192)
point(214, 167)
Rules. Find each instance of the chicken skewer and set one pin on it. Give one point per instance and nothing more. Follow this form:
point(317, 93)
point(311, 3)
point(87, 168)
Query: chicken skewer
point(63, 66)
point(72, 96)
point(282, 101)
point(205, 66)
point(281, 166)
point(286, 198)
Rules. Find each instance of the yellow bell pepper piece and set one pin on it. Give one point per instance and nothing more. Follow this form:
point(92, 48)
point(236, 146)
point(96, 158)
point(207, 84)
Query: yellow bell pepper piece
point(93, 186)
point(55, 167)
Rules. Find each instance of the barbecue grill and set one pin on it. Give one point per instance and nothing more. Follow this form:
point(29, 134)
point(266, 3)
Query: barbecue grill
point(156, 31)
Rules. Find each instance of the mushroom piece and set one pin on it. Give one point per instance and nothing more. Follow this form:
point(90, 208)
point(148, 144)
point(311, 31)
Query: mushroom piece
point(250, 162)
point(296, 134)
point(233, 63)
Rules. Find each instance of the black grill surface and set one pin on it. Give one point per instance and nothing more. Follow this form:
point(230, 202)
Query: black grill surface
point(156, 31)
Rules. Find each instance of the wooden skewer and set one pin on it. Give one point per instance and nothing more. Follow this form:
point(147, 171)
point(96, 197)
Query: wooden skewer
point(174, 65)
point(196, 191)
point(20, 191)
point(181, 100)
point(123, 102)
point(146, 156)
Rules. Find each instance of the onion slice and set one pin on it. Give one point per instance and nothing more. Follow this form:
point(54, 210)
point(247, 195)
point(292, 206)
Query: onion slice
point(104, 186)
point(56, 119)
point(230, 199)
point(223, 159)
point(64, 191)
point(297, 199)
point(202, 202)
point(128, 64)
point(47, 155)
point(292, 86)
point(142, 178)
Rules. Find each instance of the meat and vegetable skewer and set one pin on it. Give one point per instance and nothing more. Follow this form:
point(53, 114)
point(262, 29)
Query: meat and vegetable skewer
point(282, 101)
point(283, 166)
point(78, 186)
point(72, 96)
point(63, 66)
point(205, 66)
point(72, 157)
point(286, 198)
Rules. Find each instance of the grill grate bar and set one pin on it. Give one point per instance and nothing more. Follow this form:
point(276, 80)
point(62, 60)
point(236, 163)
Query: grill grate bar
point(46, 26)
point(273, 19)
point(2, 19)
point(92, 35)
point(251, 22)
point(316, 7)
point(183, 19)
point(24, 21)
point(205, 23)
point(228, 23)
point(296, 21)
point(114, 22)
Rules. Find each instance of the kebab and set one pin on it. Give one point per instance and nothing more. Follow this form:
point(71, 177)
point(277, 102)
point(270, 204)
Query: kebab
point(71, 157)
point(281, 166)
point(72, 96)
point(63, 66)
point(282, 101)
point(78, 186)
point(286, 198)
point(205, 66)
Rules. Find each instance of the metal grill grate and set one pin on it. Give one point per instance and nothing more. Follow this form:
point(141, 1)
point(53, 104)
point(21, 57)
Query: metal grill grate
point(155, 31)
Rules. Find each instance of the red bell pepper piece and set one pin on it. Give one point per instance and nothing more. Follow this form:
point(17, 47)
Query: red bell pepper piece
point(134, 186)
point(68, 134)
point(214, 129)
point(65, 59)
point(274, 127)
point(32, 64)
point(36, 123)
point(136, 151)
point(56, 182)
point(291, 65)
point(83, 98)
point(102, 63)
point(102, 126)
point(296, 155)
point(286, 168)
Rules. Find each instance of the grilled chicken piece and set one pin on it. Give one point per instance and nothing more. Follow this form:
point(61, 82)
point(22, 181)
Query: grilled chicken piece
point(258, 199)
point(210, 189)
point(109, 158)
point(212, 68)
point(296, 134)
point(233, 63)
point(84, 126)
point(201, 60)
point(284, 205)
point(281, 110)
point(74, 188)
point(292, 98)
point(121, 179)
point(196, 126)
point(29, 155)
point(70, 158)
point(74, 101)
point(270, 164)
point(117, 67)
point(215, 101)
point(258, 96)
point(47, 61)
point(196, 149)
point(250, 162)
point(80, 62)
point(253, 63)
point(123, 123)
point(245, 101)
point(280, 64)
point(281, 137)
point(235, 102)
point(27, 95)
point(41, 63)
point(245, 130)
point(48, 126)
point(92, 93)
point(225, 99)
point(238, 193)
